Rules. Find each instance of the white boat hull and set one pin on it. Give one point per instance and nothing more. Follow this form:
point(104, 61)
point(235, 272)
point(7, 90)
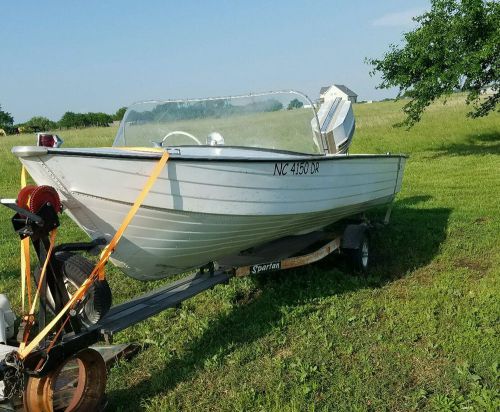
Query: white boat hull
point(203, 209)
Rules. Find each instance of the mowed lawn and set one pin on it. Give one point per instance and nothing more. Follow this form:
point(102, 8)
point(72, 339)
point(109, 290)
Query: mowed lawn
point(420, 332)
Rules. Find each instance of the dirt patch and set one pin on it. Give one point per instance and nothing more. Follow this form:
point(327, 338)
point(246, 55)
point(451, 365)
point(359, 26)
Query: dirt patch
point(477, 266)
point(284, 353)
point(482, 219)
point(245, 299)
point(427, 373)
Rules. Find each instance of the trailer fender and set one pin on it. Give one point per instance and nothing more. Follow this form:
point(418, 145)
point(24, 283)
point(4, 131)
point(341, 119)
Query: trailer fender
point(353, 234)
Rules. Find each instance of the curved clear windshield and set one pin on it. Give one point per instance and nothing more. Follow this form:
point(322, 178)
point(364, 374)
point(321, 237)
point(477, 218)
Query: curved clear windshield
point(278, 120)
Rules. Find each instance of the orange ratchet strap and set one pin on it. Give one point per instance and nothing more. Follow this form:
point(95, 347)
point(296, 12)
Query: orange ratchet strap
point(25, 259)
point(98, 271)
point(30, 317)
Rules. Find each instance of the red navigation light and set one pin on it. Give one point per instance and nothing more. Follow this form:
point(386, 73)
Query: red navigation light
point(48, 140)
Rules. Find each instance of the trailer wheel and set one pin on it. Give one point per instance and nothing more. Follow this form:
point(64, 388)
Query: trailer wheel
point(360, 257)
point(77, 385)
point(75, 269)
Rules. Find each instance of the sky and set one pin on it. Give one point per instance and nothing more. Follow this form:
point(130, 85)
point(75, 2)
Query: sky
point(59, 56)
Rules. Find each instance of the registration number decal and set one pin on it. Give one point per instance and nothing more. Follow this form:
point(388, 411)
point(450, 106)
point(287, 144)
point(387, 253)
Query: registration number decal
point(296, 168)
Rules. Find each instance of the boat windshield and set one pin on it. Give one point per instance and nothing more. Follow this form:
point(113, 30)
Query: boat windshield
point(277, 120)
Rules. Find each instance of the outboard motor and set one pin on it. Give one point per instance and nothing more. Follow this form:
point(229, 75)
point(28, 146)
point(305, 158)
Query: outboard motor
point(336, 120)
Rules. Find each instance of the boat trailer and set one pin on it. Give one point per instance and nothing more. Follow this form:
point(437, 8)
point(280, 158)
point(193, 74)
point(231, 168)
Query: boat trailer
point(62, 372)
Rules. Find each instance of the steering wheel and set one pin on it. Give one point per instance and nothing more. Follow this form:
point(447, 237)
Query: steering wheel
point(181, 133)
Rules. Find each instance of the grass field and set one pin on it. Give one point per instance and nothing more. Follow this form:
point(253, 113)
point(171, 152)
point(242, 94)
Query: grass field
point(421, 332)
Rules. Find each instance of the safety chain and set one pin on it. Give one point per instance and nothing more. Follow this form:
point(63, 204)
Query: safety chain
point(13, 376)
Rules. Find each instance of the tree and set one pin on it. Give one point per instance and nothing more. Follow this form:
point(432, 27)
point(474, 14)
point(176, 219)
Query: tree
point(68, 120)
point(102, 119)
point(455, 47)
point(119, 113)
point(295, 104)
point(39, 124)
point(6, 119)
point(90, 119)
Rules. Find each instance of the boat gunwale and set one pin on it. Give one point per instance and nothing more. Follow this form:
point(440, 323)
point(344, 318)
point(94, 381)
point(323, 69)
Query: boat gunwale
point(132, 154)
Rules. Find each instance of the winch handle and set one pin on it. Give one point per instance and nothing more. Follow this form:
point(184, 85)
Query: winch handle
point(12, 204)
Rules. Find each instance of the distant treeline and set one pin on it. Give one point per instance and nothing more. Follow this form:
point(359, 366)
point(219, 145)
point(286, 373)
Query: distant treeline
point(199, 110)
point(71, 119)
point(68, 120)
point(170, 111)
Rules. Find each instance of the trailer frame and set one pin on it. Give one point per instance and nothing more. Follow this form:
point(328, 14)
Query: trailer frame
point(286, 253)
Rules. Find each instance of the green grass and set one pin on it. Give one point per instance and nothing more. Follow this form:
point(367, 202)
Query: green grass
point(421, 332)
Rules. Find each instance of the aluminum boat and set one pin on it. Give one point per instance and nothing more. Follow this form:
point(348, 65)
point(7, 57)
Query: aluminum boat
point(242, 171)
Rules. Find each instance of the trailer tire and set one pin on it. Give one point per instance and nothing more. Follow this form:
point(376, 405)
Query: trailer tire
point(75, 269)
point(360, 257)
